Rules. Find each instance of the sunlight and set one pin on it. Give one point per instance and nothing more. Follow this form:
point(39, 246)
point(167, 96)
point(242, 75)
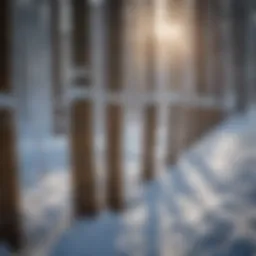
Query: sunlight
point(173, 33)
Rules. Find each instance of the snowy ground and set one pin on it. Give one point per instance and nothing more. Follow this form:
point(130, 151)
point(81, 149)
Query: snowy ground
point(205, 206)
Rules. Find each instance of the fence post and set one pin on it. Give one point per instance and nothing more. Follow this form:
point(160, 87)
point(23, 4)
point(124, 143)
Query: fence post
point(114, 111)
point(216, 20)
point(240, 19)
point(10, 229)
point(150, 110)
point(59, 112)
point(200, 46)
point(81, 121)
